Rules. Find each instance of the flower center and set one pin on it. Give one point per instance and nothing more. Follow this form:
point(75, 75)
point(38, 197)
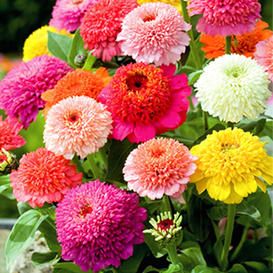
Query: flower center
point(149, 18)
point(87, 209)
point(77, 2)
point(136, 82)
point(3, 158)
point(73, 117)
point(165, 224)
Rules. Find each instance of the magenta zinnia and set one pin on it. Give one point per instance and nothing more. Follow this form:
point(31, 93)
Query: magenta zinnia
point(98, 225)
point(226, 17)
point(43, 177)
point(21, 89)
point(77, 125)
point(154, 33)
point(145, 100)
point(159, 166)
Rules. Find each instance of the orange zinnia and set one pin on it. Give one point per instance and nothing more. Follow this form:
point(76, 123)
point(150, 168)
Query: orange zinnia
point(214, 46)
point(77, 83)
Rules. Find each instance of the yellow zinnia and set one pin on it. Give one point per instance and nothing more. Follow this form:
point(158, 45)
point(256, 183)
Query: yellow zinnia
point(231, 165)
point(175, 3)
point(36, 43)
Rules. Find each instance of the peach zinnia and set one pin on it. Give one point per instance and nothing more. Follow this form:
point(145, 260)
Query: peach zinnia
point(214, 46)
point(159, 166)
point(77, 83)
point(77, 125)
point(43, 177)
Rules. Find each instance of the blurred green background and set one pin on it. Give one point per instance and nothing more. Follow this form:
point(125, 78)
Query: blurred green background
point(18, 18)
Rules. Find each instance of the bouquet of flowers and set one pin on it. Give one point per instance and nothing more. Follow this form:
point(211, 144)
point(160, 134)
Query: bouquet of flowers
point(155, 153)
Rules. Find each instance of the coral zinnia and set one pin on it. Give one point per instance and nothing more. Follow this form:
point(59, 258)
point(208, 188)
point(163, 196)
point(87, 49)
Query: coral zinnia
point(145, 100)
point(154, 33)
point(36, 43)
point(77, 125)
point(77, 83)
point(231, 165)
point(68, 14)
point(159, 166)
point(225, 18)
point(21, 89)
point(9, 138)
point(233, 87)
point(43, 177)
point(214, 46)
point(264, 55)
point(101, 25)
point(104, 222)
point(175, 3)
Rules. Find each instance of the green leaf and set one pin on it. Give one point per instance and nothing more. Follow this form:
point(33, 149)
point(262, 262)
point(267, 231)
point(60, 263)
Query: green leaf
point(256, 127)
point(132, 264)
point(157, 250)
point(249, 214)
point(194, 76)
point(218, 212)
point(257, 267)
point(59, 45)
point(68, 268)
point(23, 207)
point(237, 268)
point(22, 235)
point(5, 187)
point(268, 144)
point(77, 47)
point(204, 269)
point(90, 61)
point(49, 258)
point(195, 254)
point(151, 269)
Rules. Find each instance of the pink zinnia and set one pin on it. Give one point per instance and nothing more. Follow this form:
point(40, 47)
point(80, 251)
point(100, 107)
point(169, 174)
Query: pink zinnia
point(159, 166)
point(21, 89)
point(98, 225)
point(77, 125)
point(264, 55)
point(226, 17)
point(154, 33)
point(43, 177)
point(101, 25)
point(145, 100)
point(9, 138)
point(68, 14)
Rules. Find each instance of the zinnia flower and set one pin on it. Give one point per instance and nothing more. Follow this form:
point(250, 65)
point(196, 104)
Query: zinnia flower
point(68, 14)
point(154, 33)
point(264, 55)
point(231, 165)
point(214, 46)
point(77, 83)
point(225, 18)
point(145, 100)
point(43, 177)
point(233, 87)
point(175, 3)
point(21, 89)
point(77, 125)
point(157, 167)
point(9, 138)
point(36, 43)
point(101, 25)
point(98, 225)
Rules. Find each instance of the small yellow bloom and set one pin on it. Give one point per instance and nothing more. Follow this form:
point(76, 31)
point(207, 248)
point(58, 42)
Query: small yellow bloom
point(231, 165)
point(175, 3)
point(36, 43)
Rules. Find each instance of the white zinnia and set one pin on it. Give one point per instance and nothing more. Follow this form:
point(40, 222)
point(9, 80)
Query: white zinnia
point(232, 87)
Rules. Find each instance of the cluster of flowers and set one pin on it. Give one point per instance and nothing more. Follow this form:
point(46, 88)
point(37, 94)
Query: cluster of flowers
point(97, 223)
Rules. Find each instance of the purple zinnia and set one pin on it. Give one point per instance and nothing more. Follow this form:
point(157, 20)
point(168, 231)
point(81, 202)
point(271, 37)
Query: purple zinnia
point(98, 225)
point(68, 14)
point(21, 89)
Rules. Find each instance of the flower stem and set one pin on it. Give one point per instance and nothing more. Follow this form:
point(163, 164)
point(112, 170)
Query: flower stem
point(206, 122)
point(228, 236)
point(93, 166)
point(228, 44)
point(241, 243)
point(172, 253)
point(194, 49)
point(166, 203)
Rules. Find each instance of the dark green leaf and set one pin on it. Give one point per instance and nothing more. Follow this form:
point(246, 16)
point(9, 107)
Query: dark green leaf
point(249, 214)
point(204, 269)
point(257, 267)
point(68, 268)
point(237, 268)
point(217, 212)
point(155, 247)
point(22, 235)
point(5, 187)
point(49, 258)
point(59, 45)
